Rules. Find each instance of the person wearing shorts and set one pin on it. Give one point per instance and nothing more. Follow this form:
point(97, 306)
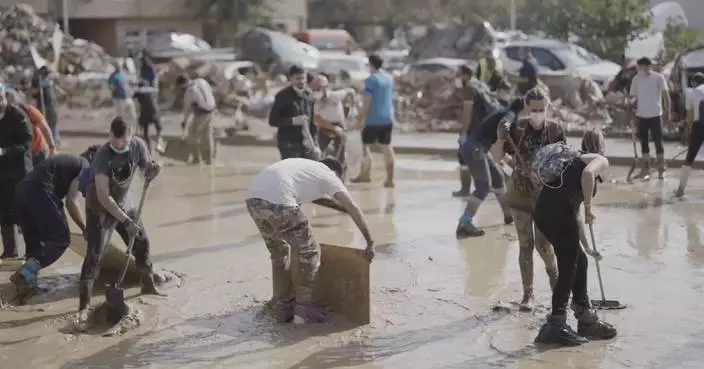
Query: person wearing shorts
point(377, 119)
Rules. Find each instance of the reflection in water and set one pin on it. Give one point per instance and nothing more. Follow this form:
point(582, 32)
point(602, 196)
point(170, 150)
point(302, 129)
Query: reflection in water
point(486, 263)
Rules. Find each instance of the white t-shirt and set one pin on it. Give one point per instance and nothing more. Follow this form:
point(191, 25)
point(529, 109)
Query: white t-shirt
point(295, 181)
point(694, 97)
point(648, 90)
point(201, 94)
point(331, 108)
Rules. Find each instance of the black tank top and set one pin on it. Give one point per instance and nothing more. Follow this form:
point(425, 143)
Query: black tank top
point(571, 190)
point(57, 172)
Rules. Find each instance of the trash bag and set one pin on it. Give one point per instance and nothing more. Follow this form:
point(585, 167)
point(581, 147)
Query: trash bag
point(353, 149)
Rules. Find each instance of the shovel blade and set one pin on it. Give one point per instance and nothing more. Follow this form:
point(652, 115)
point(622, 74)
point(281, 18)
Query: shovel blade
point(115, 306)
point(608, 305)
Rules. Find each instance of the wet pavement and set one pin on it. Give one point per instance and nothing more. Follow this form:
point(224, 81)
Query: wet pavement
point(432, 296)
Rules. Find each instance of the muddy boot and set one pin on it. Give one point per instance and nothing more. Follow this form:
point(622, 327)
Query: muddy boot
point(364, 173)
point(684, 178)
point(85, 290)
point(644, 173)
point(526, 304)
point(307, 313)
point(465, 184)
point(390, 175)
point(284, 310)
point(9, 241)
point(590, 326)
point(25, 280)
point(146, 278)
point(467, 230)
point(556, 332)
point(662, 166)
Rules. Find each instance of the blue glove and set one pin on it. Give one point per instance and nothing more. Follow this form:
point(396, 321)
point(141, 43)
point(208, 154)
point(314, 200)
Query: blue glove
point(463, 138)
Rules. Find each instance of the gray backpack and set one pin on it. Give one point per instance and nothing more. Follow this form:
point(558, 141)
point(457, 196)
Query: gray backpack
point(552, 160)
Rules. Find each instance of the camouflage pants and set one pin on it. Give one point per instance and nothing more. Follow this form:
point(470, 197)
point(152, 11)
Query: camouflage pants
point(283, 228)
point(201, 138)
point(530, 238)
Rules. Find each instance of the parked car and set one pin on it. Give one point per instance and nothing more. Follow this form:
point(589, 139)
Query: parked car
point(559, 57)
point(275, 51)
point(328, 39)
point(683, 68)
point(424, 67)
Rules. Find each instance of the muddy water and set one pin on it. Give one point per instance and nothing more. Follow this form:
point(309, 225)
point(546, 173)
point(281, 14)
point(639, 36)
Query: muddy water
point(432, 295)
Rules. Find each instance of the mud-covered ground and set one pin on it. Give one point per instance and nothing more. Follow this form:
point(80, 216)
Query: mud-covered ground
point(431, 294)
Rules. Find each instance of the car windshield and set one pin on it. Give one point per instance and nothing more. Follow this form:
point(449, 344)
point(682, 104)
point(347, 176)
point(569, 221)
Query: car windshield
point(343, 64)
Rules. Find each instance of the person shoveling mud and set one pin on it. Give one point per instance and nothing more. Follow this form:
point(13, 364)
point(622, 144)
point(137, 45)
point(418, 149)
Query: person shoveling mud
point(274, 204)
point(112, 170)
point(525, 137)
point(569, 178)
point(41, 215)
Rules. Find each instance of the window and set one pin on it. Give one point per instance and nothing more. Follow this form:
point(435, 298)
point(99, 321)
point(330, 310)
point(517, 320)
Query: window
point(513, 53)
point(546, 58)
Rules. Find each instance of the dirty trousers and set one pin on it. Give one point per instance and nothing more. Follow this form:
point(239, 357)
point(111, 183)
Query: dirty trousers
point(43, 222)
point(99, 227)
point(8, 216)
point(696, 139)
point(200, 138)
point(653, 126)
point(529, 239)
point(283, 228)
point(558, 222)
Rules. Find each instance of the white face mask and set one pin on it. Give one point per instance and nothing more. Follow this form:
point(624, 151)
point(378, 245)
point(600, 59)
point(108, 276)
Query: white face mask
point(459, 83)
point(537, 119)
point(117, 151)
point(318, 95)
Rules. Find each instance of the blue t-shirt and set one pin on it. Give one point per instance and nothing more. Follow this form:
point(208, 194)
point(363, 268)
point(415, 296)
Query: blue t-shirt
point(119, 83)
point(530, 71)
point(380, 86)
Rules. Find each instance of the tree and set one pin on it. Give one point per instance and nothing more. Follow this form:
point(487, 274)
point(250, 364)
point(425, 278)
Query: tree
point(678, 37)
point(604, 27)
point(229, 15)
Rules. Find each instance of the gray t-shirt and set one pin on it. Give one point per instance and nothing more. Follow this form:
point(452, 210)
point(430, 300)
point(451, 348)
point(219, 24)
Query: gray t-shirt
point(120, 168)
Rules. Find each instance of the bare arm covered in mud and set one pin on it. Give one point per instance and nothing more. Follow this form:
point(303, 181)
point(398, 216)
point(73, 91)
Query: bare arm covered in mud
point(102, 188)
point(356, 214)
point(72, 206)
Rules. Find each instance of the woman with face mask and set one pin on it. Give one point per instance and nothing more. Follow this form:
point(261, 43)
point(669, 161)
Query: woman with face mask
point(569, 178)
point(522, 139)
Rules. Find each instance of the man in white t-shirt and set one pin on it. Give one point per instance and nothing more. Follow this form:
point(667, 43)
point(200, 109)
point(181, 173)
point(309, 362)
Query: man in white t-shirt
point(274, 203)
point(330, 118)
point(198, 101)
point(650, 91)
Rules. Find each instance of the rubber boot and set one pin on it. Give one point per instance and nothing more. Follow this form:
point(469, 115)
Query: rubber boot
point(684, 178)
point(85, 290)
point(465, 228)
point(146, 278)
point(590, 326)
point(9, 241)
point(556, 332)
point(365, 172)
point(307, 313)
point(662, 166)
point(644, 173)
point(284, 310)
point(25, 280)
point(390, 175)
point(465, 183)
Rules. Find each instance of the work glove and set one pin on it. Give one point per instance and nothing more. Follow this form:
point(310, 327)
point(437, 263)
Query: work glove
point(133, 229)
point(463, 139)
point(152, 171)
point(369, 251)
point(300, 120)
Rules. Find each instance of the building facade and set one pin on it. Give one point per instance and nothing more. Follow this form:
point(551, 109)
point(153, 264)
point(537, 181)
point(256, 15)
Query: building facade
point(109, 22)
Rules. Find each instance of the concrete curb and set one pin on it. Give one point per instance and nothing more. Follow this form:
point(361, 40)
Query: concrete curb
point(249, 140)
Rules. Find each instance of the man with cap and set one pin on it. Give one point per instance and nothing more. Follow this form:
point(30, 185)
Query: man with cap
point(15, 163)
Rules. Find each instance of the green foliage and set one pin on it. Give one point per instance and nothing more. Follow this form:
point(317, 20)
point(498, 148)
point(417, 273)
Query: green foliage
point(678, 38)
point(604, 27)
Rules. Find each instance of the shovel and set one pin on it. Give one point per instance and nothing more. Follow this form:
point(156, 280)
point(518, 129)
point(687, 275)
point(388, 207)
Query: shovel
point(634, 164)
point(602, 304)
point(116, 308)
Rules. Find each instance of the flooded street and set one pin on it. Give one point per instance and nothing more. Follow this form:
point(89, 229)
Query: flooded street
point(432, 296)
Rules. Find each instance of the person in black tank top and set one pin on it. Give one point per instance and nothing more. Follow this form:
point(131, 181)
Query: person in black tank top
point(41, 215)
point(556, 214)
